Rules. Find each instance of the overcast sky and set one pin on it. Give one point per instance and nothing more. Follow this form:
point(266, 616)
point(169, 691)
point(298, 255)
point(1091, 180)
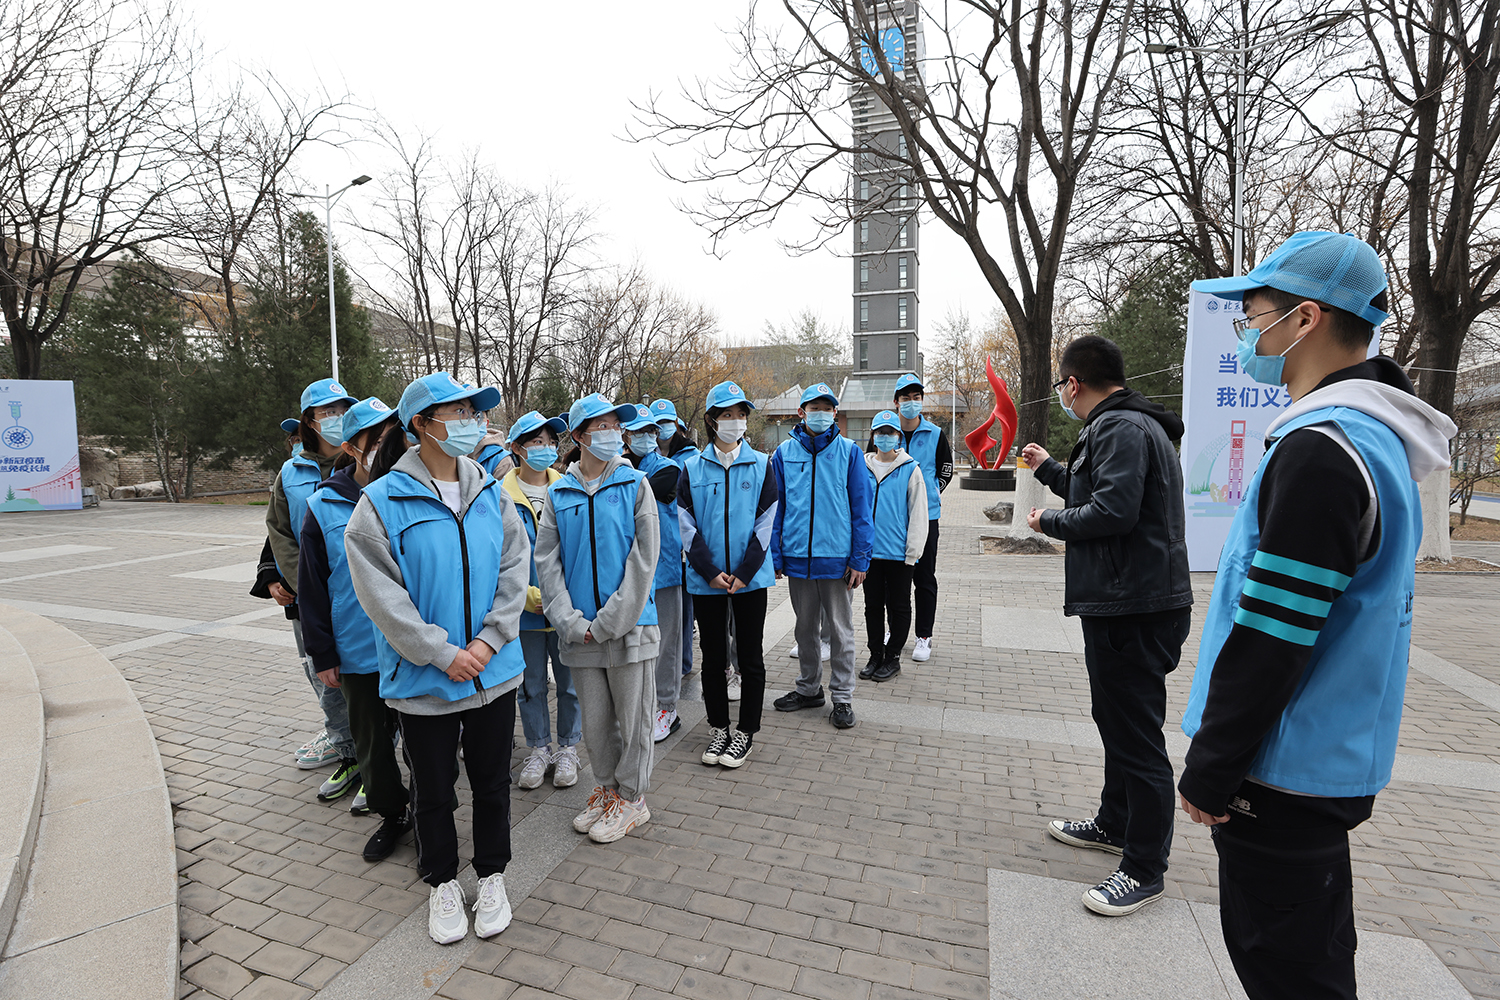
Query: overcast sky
point(544, 91)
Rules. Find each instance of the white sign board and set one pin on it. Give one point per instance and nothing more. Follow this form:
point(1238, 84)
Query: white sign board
point(1227, 415)
point(39, 447)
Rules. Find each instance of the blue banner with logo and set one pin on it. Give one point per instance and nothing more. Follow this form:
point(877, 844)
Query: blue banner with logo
point(39, 447)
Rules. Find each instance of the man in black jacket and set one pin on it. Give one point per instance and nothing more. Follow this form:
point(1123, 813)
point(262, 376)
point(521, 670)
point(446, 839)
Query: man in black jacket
point(1127, 580)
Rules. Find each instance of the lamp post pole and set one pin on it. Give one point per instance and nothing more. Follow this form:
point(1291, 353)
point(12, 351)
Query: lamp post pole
point(329, 199)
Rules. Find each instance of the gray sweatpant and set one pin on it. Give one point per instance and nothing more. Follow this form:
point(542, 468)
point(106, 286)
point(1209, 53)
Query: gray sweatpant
point(619, 711)
point(813, 601)
point(669, 663)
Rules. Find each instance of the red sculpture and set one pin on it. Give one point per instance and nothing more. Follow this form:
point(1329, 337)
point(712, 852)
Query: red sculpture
point(979, 440)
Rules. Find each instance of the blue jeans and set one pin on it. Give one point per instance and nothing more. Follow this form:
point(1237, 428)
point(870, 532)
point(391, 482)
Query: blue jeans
point(331, 700)
point(537, 647)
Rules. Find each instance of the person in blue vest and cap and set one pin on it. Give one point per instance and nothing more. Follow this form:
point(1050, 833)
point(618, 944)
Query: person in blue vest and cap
point(441, 564)
point(533, 441)
point(727, 502)
point(928, 443)
point(899, 515)
point(821, 542)
point(596, 550)
point(674, 443)
point(642, 439)
point(340, 638)
point(320, 429)
point(1296, 704)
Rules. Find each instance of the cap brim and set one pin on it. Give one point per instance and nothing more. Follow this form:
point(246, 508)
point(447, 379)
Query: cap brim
point(813, 399)
point(557, 425)
point(1226, 286)
point(290, 425)
point(640, 425)
point(485, 399)
point(370, 420)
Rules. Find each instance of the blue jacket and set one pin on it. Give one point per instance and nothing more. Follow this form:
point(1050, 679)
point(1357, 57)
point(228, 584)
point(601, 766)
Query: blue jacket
point(826, 529)
point(727, 517)
point(669, 560)
point(450, 568)
point(335, 628)
point(300, 475)
point(530, 620)
point(890, 514)
point(1337, 736)
point(922, 445)
point(489, 456)
point(595, 534)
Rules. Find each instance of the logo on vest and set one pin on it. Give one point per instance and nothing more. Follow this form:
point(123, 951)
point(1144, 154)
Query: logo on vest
point(744, 486)
point(481, 509)
point(614, 498)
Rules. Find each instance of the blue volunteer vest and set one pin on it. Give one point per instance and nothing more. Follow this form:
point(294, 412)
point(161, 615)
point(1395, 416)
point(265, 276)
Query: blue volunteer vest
point(890, 511)
point(300, 475)
point(669, 560)
point(819, 532)
point(450, 568)
point(922, 446)
point(724, 502)
point(353, 632)
point(596, 534)
point(1337, 736)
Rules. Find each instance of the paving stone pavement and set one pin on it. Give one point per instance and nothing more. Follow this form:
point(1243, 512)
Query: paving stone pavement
point(832, 865)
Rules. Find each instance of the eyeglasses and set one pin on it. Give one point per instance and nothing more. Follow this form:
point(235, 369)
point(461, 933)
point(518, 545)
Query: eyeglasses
point(459, 413)
point(1060, 383)
point(1246, 323)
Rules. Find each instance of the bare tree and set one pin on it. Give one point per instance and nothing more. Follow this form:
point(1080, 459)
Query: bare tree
point(89, 90)
point(774, 132)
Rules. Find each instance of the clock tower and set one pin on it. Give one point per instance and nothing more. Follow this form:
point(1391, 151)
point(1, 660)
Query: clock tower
point(886, 245)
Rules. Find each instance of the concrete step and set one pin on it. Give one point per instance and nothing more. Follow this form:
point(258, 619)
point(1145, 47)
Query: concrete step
point(22, 772)
point(98, 914)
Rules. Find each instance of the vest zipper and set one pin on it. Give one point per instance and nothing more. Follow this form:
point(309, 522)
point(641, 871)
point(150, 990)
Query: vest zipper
point(594, 554)
point(463, 548)
point(726, 521)
point(812, 508)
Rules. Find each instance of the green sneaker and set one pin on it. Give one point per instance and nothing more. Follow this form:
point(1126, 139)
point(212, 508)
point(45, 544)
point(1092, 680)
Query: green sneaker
point(344, 779)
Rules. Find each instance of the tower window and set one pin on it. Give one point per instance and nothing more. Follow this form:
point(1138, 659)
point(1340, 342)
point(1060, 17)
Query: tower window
point(901, 323)
point(864, 233)
point(901, 238)
point(864, 354)
point(901, 272)
point(864, 274)
point(905, 193)
point(864, 314)
point(864, 189)
point(901, 146)
point(901, 351)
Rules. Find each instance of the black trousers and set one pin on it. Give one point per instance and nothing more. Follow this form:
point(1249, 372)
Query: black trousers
point(924, 576)
point(888, 597)
point(1287, 892)
point(431, 743)
point(373, 725)
point(713, 638)
point(1128, 658)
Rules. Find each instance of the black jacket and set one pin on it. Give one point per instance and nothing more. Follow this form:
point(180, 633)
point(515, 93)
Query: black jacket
point(1124, 521)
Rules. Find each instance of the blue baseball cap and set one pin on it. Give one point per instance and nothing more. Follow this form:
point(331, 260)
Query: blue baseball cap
point(643, 420)
point(290, 425)
point(885, 418)
point(365, 413)
point(1337, 268)
point(596, 405)
point(819, 391)
point(905, 382)
point(325, 391)
point(526, 423)
point(663, 410)
point(725, 395)
point(440, 387)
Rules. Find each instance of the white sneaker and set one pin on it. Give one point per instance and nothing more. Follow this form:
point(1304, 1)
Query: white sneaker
point(619, 819)
point(922, 652)
point(316, 752)
point(535, 768)
point(492, 908)
point(446, 920)
point(565, 770)
point(598, 801)
point(792, 653)
point(827, 651)
point(734, 687)
point(666, 724)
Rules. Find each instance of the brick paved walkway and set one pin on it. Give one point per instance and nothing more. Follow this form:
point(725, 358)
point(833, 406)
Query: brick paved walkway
point(834, 864)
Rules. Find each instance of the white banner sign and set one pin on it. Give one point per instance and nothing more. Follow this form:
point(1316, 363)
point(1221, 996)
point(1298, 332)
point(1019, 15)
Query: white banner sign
point(39, 447)
point(1227, 415)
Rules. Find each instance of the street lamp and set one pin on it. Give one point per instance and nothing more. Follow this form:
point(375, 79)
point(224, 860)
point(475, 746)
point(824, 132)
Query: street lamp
point(1168, 48)
point(329, 199)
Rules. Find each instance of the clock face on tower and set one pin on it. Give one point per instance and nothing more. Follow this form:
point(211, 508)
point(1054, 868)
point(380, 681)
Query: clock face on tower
point(892, 45)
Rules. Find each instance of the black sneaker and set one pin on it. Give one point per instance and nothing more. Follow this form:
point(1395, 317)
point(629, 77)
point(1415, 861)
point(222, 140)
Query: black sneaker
point(718, 742)
point(343, 780)
point(890, 668)
point(871, 667)
point(383, 842)
point(842, 715)
point(1084, 834)
point(1120, 894)
point(792, 701)
point(737, 751)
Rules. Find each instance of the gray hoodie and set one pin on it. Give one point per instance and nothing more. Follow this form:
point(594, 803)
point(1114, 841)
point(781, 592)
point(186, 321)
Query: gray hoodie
point(382, 591)
point(916, 502)
point(1424, 431)
point(618, 639)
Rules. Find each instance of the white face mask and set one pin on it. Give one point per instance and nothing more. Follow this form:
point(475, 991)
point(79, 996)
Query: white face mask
point(730, 431)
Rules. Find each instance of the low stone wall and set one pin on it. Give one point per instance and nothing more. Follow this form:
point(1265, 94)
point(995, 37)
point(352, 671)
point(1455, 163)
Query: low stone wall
point(105, 469)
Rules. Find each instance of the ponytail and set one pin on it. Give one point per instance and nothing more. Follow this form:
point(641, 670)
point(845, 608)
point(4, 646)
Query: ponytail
point(392, 446)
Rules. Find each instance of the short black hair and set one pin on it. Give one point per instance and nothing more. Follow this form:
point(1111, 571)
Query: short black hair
point(1349, 330)
point(1094, 361)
